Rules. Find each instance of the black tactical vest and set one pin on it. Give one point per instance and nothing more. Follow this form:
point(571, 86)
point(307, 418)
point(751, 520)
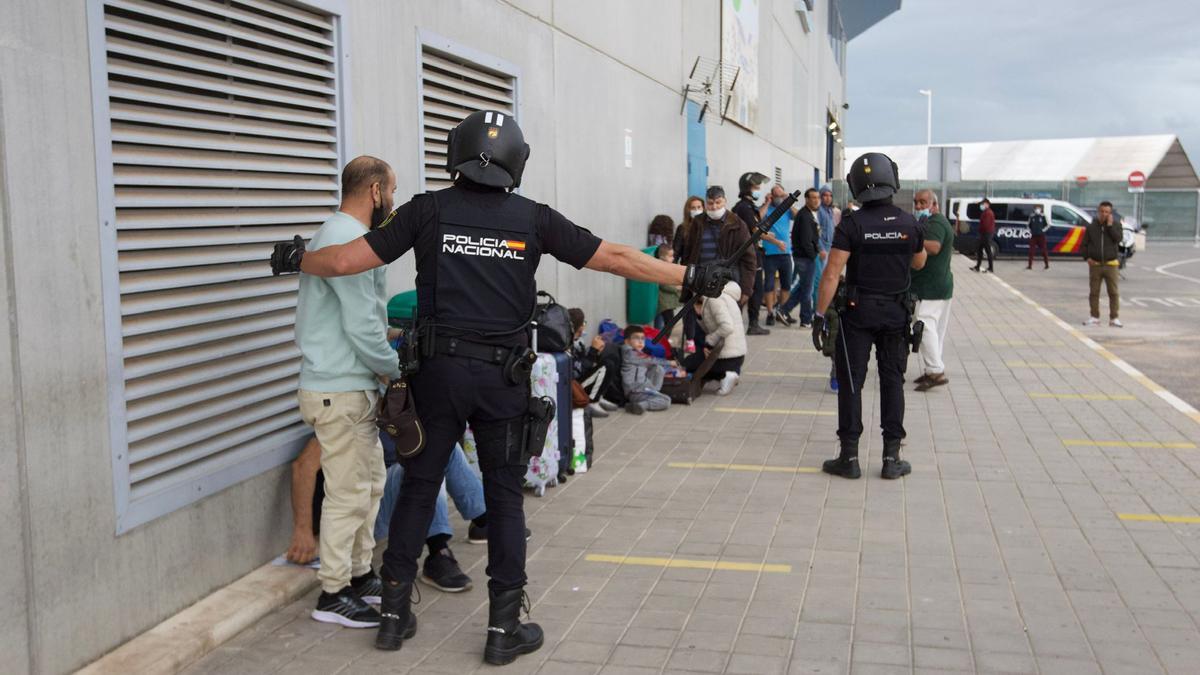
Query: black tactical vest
point(881, 264)
point(480, 275)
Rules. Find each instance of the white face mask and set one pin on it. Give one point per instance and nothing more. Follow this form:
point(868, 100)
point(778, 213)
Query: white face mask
point(695, 212)
point(758, 194)
point(716, 214)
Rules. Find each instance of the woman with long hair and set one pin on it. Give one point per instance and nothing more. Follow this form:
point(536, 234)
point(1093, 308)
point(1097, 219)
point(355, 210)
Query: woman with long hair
point(692, 207)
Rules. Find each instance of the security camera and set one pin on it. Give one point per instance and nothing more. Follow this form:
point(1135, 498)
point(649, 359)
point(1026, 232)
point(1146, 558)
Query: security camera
point(845, 106)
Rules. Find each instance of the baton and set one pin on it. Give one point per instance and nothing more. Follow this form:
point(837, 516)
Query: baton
point(764, 226)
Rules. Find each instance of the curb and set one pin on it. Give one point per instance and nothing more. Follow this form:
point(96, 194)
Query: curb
point(180, 640)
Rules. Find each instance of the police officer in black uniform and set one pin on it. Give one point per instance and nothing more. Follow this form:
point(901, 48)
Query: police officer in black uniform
point(751, 205)
point(477, 247)
point(877, 245)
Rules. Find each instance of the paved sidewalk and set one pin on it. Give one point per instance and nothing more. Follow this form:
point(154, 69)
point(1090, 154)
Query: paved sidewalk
point(1029, 538)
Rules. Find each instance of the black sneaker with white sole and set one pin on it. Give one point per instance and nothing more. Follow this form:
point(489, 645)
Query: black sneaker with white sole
point(368, 586)
point(478, 535)
point(442, 572)
point(345, 608)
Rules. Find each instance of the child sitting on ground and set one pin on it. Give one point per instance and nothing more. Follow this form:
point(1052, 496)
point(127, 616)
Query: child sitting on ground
point(642, 374)
point(668, 296)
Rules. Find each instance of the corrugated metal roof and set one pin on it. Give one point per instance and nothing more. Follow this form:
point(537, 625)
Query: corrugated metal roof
point(1110, 158)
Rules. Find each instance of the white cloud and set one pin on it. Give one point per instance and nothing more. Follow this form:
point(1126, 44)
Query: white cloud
point(1012, 70)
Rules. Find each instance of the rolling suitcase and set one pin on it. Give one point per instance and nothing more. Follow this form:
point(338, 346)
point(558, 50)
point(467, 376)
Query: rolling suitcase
point(544, 381)
point(562, 412)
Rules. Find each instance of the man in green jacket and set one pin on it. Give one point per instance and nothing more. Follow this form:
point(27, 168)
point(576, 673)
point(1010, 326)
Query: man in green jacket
point(1100, 243)
point(341, 329)
point(933, 285)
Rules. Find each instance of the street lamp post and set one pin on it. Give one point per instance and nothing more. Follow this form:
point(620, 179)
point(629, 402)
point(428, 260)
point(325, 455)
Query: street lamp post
point(928, 94)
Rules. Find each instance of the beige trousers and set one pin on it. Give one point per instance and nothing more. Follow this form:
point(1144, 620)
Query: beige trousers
point(352, 461)
point(1109, 274)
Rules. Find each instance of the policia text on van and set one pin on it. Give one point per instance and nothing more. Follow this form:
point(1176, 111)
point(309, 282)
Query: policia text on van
point(473, 312)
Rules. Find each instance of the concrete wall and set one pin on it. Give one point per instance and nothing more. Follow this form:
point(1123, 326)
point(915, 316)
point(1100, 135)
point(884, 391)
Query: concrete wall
point(14, 624)
point(589, 71)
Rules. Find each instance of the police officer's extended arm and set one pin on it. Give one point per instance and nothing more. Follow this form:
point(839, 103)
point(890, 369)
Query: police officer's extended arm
point(626, 261)
point(340, 260)
point(337, 260)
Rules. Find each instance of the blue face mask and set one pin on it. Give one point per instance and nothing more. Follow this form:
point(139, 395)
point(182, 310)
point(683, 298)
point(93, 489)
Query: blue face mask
point(921, 214)
point(758, 194)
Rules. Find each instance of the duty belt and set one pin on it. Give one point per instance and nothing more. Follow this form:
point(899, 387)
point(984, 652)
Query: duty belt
point(471, 350)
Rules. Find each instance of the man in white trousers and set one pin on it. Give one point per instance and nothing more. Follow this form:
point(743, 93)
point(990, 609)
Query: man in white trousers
point(933, 285)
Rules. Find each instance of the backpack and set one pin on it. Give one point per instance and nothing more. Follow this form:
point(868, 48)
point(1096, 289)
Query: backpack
point(552, 332)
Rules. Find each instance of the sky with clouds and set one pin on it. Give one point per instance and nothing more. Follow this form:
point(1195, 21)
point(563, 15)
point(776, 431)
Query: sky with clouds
point(1018, 70)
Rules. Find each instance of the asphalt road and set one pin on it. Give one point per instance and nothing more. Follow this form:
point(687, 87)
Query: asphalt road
point(1160, 307)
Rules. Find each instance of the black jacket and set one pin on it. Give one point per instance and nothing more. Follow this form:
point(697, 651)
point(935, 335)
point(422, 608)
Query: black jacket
point(1037, 224)
point(805, 242)
point(1100, 241)
point(732, 234)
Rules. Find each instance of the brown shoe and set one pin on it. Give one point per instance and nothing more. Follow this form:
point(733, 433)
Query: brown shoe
point(921, 379)
point(932, 381)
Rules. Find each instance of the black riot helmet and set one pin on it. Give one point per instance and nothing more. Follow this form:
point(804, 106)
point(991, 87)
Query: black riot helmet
point(489, 148)
point(873, 176)
point(748, 180)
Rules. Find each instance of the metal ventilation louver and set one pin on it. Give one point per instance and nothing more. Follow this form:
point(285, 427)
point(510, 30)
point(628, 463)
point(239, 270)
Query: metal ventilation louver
point(224, 123)
point(451, 89)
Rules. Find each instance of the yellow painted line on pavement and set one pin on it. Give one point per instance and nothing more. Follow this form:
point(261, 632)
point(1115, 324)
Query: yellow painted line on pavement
point(774, 411)
point(764, 373)
point(1160, 391)
point(1077, 442)
point(1048, 364)
point(1028, 343)
point(688, 564)
point(744, 467)
point(1085, 397)
point(1155, 518)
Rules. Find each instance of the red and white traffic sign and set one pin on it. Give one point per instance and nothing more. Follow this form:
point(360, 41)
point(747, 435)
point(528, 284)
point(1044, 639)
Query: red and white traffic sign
point(1137, 182)
point(1081, 180)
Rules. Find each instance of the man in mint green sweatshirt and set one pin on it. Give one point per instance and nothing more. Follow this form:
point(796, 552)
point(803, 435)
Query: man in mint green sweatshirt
point(341, 329)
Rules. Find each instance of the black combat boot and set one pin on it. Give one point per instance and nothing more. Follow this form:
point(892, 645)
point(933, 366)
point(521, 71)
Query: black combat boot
point(846, 464)
point(399, 623)
point(507, 637)
point(893, 466)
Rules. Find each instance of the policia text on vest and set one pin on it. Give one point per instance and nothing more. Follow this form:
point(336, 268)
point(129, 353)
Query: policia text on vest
point(477, 246)
point(877, 246)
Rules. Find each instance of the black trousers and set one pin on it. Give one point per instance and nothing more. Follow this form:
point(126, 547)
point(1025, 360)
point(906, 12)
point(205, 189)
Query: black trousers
point(732, 364)
point(760, 280)
point(449, 392)
point(985, 247)
point(877, 321)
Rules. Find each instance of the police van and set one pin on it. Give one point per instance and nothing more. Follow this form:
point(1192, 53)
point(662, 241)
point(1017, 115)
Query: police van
point(1065, 225)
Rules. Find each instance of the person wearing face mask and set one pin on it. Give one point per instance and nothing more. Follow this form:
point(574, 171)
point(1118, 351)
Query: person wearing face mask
point(933, 285)
point(751, 207)
point(716, 234)
point(1037, 237)
point(477, 246)
point(341, 329)
point(692, 207)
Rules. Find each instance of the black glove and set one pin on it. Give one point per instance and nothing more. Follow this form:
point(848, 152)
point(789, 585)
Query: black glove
point(707, 280)
point(820, 332)
point(287, 256)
